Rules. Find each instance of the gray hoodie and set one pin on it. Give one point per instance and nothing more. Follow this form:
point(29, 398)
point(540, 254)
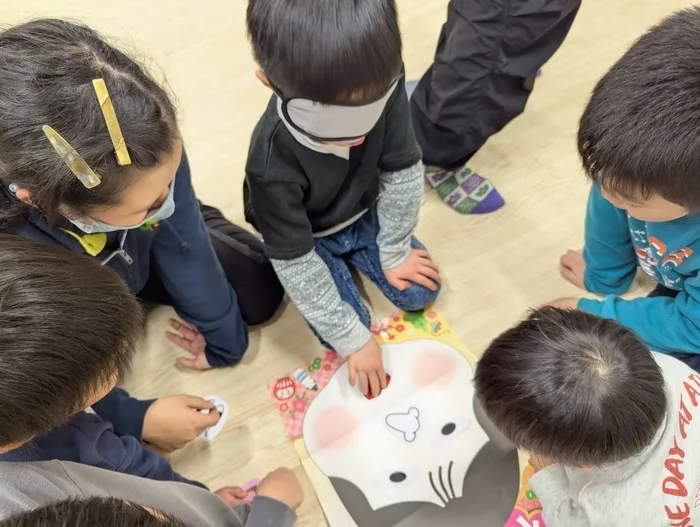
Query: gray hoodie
point(27, 486)
point(658, 488)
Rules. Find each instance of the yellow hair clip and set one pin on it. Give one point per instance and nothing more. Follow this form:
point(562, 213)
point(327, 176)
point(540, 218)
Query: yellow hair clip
point(115, 131)
point(72, 159)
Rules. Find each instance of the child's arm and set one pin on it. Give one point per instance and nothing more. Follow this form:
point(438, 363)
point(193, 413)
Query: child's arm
point(550, 485)
point(191, 273)
point(401, 182)
point(397, 209)
point(608, 251)
point(664, 324)
point(311, 287)
point(89, 440)
point(124, 412)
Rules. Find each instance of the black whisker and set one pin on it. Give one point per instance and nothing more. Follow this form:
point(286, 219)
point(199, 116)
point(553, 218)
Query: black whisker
point(449, 479)
point(432, 484)
point(442, 484)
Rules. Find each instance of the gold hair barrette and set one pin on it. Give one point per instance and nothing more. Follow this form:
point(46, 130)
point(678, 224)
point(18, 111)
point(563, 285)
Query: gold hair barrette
point(115, 131)
point(73, 160)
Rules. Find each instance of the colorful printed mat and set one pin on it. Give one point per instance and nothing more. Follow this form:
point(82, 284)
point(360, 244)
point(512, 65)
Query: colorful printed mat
point(292, 393)
point(527, 511)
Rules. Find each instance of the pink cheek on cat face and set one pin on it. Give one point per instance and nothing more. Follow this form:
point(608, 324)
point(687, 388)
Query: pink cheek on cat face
point(432, 367)
point(335, 428)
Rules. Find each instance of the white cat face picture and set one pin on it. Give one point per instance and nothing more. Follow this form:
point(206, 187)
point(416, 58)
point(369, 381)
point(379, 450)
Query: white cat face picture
point(410, 447)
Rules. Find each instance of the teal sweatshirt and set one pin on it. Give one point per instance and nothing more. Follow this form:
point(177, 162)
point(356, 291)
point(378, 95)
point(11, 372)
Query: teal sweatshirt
point(615, 244)
point(658, 488)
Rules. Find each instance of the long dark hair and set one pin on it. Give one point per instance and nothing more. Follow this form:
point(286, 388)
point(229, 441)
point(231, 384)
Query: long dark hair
point(46, 72)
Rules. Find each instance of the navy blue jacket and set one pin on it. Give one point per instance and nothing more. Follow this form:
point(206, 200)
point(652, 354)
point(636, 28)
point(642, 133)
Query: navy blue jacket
point(89, 440)
point(180, 252)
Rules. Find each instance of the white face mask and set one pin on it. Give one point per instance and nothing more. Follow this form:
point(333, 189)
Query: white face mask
point(90, 226)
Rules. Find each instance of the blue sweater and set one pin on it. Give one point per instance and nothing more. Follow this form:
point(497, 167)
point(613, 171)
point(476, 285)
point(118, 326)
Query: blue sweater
point(615, 245)
point(89, 440)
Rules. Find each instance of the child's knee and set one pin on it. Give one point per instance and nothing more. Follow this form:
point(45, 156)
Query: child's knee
point(416, 297)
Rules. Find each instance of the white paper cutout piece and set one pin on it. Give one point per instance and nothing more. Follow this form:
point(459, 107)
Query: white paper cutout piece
point(407, 424)
point(429, 407)
point(221, 407)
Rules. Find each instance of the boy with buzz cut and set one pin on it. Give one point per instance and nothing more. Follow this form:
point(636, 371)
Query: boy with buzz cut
point(611, 428)
point(639, 141)
point(63, 346)
point(334, 174)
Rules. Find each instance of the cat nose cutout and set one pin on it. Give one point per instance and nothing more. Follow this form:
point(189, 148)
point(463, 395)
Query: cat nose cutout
point(405, 423)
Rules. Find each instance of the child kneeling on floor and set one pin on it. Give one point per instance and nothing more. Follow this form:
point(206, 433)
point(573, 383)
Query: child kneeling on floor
point(334, 174)
point(610, 426)
point(68, 331)
point(640, 146)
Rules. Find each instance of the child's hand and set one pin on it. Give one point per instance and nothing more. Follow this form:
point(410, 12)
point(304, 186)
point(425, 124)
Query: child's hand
point(564, 303)
point(418, 268)
point(540, 462)
point(190, 340)
point(366, 365)
point(282, 485)
point(232, 496)
point(572, 267)
point(172, 422)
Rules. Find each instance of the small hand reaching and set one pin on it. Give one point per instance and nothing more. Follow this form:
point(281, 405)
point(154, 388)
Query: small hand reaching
point(366, 366)
point(282, 485)
point(572, 268)
point(232, 496)
point(190, 340)
point(418, 268)
point(172, 422)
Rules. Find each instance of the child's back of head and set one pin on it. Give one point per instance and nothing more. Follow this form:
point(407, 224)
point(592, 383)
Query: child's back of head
point(326, 51)
point(572, 387)
point(68, 330)
point(638, 136)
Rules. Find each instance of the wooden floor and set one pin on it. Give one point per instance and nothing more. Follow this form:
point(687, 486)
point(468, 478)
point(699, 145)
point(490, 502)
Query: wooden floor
point(494, 267)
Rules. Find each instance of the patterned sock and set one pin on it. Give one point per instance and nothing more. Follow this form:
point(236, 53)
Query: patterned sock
point(465, 191)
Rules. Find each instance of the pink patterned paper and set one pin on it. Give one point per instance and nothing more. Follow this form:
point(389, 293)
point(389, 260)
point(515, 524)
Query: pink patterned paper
point(522, 519)
point(294, 391)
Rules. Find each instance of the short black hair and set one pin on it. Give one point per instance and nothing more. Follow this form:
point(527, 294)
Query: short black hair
point(327, 50)
point(67, 327)
point(639, 134)
point(573, 387)
point(46, 71)
point(92, 512)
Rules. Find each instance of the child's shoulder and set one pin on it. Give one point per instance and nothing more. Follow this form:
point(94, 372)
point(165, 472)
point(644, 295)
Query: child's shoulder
point(271, 145)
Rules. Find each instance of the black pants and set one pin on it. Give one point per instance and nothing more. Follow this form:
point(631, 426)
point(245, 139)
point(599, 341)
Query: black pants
point(247, 269)
point(487, 56)
point(691, 359)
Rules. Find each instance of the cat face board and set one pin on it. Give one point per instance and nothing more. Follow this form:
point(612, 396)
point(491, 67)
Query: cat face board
point(412, 453)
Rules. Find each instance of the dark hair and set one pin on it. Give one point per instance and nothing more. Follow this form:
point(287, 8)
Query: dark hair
point(67, 326)
point(92, 512)
point(573, 387)
point(329, 50)
point(46, 72)
point(639, 134)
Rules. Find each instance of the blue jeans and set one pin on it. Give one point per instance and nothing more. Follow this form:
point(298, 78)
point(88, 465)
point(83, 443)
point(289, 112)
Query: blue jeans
point(357, 245)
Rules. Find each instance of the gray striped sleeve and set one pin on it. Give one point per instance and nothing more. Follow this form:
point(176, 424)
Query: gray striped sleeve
point(397, 208)
point(312, 289)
